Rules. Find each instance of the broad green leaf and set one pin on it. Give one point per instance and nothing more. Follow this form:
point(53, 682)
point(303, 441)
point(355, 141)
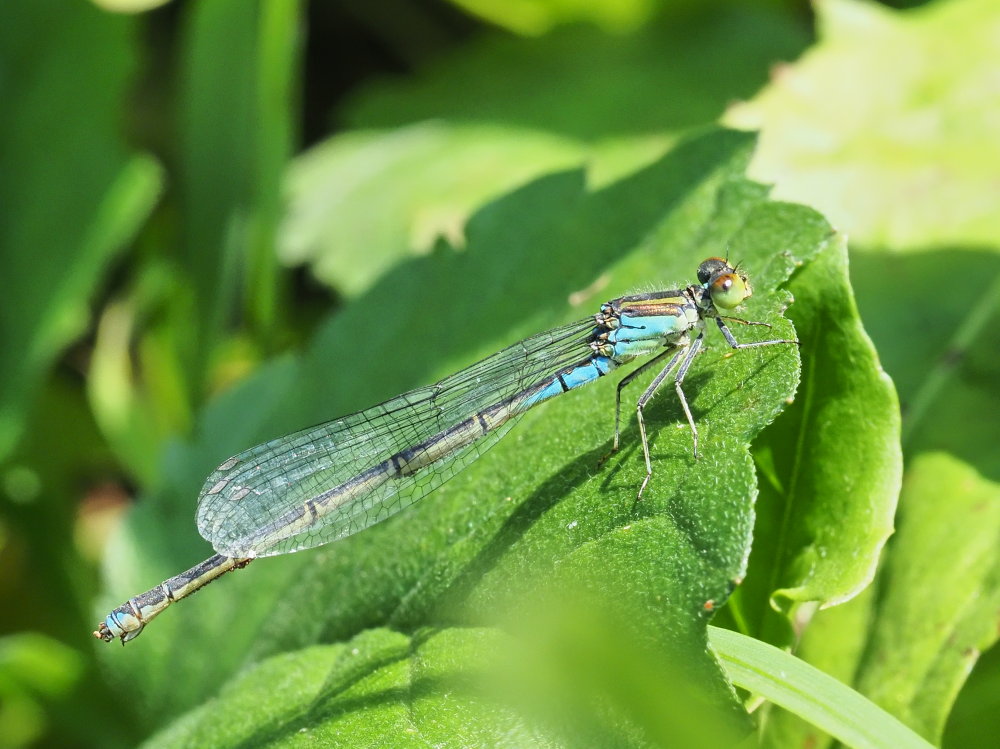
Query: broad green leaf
point(382, 687)
point(888, 124)
point(402, 188)
point(256, 706)
point(588, 86)
point(422, 159)
point(540, 507)
point(911, 651)
point(72, 194)
point(923, 645)
point(831, 468)
point(906, 162)
point(942, 360)
point(471, 686)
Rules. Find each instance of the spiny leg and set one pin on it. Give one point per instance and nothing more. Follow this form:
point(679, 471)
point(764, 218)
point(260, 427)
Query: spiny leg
point(647, 396)
point(741, 321)
point(678, 388)
point(731, 340)
point(631, 376)
point(625, 381)
point(682, 371)
point(727, 334)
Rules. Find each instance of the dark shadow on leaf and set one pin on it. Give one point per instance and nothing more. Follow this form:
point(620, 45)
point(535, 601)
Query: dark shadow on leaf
point(544, 498)
point(323, 712)
point(703, 60)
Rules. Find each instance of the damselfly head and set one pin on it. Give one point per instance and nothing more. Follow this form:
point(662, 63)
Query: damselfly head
point(729, 287)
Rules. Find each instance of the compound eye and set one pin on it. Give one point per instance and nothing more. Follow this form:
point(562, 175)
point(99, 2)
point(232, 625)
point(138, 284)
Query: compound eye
point(712, 267)
point(729, 290)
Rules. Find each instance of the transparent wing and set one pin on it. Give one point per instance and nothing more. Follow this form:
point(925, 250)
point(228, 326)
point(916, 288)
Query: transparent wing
point(259, 487)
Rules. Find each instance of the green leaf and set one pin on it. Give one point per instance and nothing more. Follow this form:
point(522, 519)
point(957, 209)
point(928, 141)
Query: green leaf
point(471, 684)
point(922, 647)
point(907, 160)
point(540, 507)
point(229, 176)
point(129, 6)
point(810, 693)
point(975, 709)
point(831, 469)
point(943, 355)
point(134, 386)
point(155, 345)
point(911, 651)
point(535, 17)
point(34, 670)
point(422, 159)
point(73, 199)
point(409, 187)
point(833, 642)
point(588, 86)
point(253, 708)
point(942, 360)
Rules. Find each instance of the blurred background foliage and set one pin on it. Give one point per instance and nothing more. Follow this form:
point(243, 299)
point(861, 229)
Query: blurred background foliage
point(190, 191)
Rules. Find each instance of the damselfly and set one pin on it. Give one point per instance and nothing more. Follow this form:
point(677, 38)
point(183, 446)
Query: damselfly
point(333, 480)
